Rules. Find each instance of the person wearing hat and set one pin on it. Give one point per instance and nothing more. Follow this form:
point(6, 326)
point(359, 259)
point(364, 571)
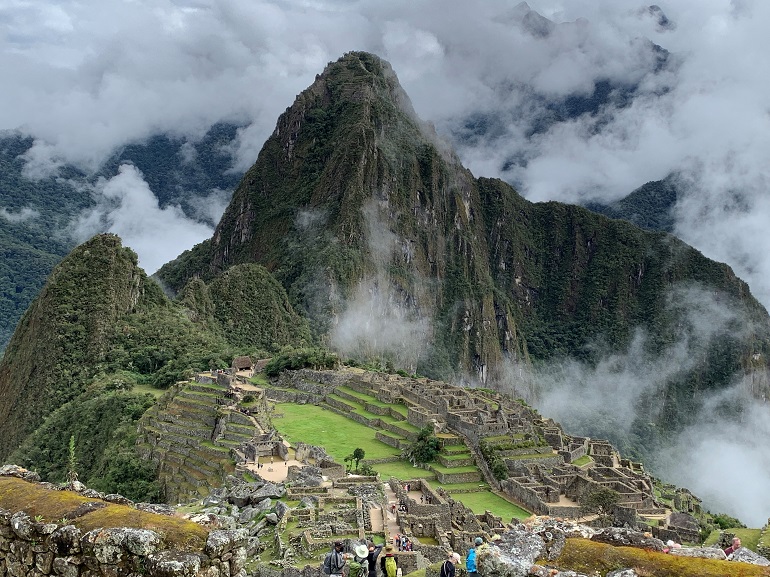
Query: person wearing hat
point(448, 567)
point(470, 559)
point(388, 563)
point(374, 552)
point(335, 560)
point(359, 567)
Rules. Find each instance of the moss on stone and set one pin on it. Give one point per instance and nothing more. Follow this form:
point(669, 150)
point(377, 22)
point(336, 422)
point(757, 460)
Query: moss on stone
point(54, 506)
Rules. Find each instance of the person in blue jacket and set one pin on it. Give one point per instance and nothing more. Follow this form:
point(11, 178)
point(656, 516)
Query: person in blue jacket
point(470, 560)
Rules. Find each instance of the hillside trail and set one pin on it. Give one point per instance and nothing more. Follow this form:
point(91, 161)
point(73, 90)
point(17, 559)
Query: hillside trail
point(391, 527)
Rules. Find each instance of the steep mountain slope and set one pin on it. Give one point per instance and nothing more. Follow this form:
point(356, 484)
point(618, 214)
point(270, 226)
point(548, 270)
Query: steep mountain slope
point(98, 329)
point(36, 233)
point(369, 222)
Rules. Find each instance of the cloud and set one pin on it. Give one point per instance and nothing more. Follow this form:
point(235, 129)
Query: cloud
point(84, 77)
point(380, 319)
point(21, 215)
point(720, 456)
point(126, 206)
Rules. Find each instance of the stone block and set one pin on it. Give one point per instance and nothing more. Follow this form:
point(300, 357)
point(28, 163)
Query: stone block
point(224, 541)
point(173, 563)
point(21, 525)
point(65, 567)
point(65, 541)
point(44, 561)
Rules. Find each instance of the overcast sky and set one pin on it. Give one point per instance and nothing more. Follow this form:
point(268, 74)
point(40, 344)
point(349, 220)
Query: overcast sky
point(85, 76)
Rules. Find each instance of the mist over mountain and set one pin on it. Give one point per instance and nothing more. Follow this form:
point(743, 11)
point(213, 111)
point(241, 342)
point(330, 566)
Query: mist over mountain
point(577, 102)
point(393, 250)
point(160, 195)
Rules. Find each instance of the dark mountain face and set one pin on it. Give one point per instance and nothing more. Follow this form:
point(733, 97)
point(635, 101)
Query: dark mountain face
point(650, 206)
point(391, 247)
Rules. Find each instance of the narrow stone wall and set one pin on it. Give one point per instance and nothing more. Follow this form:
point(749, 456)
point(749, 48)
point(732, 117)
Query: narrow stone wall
point(41, 549)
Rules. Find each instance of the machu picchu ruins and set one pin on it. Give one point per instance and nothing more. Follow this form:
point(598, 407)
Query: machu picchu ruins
point(208, 432)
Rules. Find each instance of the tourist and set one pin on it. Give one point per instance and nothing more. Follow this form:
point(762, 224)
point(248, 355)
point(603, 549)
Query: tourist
point(448, 568)
point(374, 552)
point(470, 559)
point(334, 561)
point(388, 563)
point(361, 558)
point(734, 547)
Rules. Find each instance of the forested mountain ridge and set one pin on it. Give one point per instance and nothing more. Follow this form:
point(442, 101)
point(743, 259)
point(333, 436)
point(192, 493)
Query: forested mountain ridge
point(353, 199)
point(98, 329)
point(38, 211)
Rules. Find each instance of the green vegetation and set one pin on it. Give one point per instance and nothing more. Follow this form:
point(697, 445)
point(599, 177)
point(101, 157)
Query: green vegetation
point(750, 538)
point(402, 470)
point(32, 498)
point(487, 501)
point(337, 434)
point(589, 557)
point(601, 502)
point(425, 447)
point(299, 359)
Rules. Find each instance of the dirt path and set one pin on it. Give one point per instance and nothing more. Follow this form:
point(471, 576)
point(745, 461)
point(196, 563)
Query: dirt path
point(275, 472)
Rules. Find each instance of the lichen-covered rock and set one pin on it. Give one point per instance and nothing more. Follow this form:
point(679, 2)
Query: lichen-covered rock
point(118, 499)
point(539, 571)
point(157, 508)
point(554, 541)
point(20, 472)
point(623, 573)
point(280, 509)
point(620, 537)
point(66, 566)
point(110, 545)
point(264, 506)
point(271, 518)
point(270, 490)
point(745, 555)
point(173, 564)
point(514, 555)
point(21, 525)
point(221, 542)
point(702, 552)
point(240, 495)
point(65, 541)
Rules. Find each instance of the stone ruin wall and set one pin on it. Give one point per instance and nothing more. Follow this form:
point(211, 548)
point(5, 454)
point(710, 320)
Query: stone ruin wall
point(29, 548)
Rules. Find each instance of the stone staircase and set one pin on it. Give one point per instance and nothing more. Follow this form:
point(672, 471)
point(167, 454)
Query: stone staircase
point(194, 439)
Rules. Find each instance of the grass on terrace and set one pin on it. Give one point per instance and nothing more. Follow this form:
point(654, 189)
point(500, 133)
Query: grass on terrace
point(402, 470)
point(339, 435)
point(488, 501)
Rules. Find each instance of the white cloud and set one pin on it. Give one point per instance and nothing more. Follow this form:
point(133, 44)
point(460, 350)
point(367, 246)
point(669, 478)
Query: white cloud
point(86, 76)
point(22, 215)
point(126, 206)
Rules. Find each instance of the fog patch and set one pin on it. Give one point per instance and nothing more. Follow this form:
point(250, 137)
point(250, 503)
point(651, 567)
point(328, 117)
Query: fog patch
point(725, 459)
point(382, 318)
point(211, 207)
point(126, 206)
point(21, 215)
point(620, 396)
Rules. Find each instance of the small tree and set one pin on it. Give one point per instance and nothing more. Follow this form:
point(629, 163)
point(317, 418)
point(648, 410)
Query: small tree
point(349, 462)
point(72, 463)
point(600, 502)
point(425, 448)
point(358, 454)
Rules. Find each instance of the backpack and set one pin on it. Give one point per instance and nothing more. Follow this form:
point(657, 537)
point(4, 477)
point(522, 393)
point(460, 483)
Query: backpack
point(391, 569)
point(358, 568)
point(327, 569)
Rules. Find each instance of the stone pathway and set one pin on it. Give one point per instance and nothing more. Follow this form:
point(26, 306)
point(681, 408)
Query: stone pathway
point(391, 498)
